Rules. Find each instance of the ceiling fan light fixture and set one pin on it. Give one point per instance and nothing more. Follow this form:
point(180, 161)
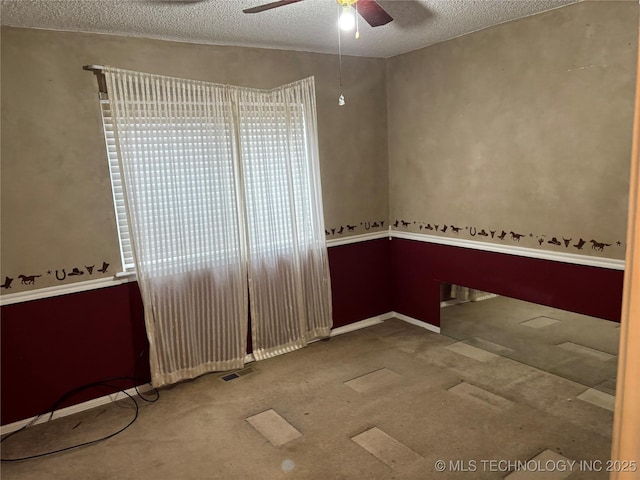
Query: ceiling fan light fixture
point(347, 19)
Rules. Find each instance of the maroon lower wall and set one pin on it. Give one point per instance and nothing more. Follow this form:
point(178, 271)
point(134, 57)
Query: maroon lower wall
point(53, 345)
point(418, 268)
point(360, 280)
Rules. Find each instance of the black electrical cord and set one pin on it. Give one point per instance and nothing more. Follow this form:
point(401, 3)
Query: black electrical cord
point(70, 393)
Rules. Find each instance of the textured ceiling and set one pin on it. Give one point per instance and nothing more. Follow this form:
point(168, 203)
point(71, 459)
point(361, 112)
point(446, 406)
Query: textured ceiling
point(309, 25)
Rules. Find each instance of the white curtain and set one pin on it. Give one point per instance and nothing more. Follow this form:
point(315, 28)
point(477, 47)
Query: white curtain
point(288, 266)
point(221, 187)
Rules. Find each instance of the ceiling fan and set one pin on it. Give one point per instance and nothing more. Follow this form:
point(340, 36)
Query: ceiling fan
point(370, 10)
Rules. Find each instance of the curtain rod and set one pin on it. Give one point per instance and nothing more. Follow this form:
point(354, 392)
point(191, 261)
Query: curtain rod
point(93, 68)
point(98, 70)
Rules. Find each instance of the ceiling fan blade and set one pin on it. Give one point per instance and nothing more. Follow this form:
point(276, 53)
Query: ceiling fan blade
point(373, 13)
point(269, 6)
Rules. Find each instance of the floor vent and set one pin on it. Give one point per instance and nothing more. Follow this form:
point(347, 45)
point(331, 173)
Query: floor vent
point(239, 373)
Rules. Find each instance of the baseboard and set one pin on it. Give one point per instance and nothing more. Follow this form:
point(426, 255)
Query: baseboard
point(368, 322)
point(80, 407)
point(416, 322)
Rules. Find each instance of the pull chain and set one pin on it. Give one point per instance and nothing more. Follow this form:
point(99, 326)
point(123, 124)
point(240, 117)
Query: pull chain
point(341, 100)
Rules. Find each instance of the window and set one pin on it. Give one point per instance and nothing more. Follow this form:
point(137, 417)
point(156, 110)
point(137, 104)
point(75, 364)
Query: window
point(278, 199)
point(273, 189)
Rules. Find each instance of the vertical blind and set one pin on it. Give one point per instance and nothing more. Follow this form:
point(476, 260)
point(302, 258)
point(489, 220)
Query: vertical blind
point(126, 251)
point(264, 179)
point(194, 189)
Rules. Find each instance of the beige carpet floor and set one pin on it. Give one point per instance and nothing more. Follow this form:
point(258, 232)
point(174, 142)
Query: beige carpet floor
point(385, 402)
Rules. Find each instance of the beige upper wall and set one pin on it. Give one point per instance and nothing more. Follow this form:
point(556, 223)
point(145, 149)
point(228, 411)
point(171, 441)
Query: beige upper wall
point(57, 210)
point(523, 127)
